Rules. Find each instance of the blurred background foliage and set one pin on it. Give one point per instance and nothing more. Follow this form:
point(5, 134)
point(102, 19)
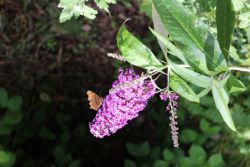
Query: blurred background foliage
point(46, 69)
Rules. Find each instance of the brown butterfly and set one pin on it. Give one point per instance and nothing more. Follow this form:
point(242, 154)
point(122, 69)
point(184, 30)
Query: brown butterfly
point(95, 101)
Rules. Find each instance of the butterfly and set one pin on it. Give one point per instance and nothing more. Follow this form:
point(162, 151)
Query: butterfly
point(95, 101)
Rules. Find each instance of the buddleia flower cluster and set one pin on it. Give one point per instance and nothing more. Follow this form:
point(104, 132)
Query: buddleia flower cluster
point(123, 104)
point(128, 96)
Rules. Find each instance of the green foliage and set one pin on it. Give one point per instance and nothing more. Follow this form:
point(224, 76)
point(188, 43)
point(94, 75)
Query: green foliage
point(138, 150)
point(191, 76)
point(194, 45)
point(191, 36)
point(129, 163)
point(13, 114)
point(11, 117)
point(221, 100)
point(215, 160)
point(182, 88)
point(234, 85)
point(225, 19)
point(145, 7)
point(165, 43)
point(3, 98)
point(204, 140)
point(78, 8)
point(6, 159)
point(104, 4)
point(15, 103)
point(135, 52)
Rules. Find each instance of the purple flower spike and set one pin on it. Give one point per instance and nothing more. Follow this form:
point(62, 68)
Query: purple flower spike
point(122, 104)
point(172, 108)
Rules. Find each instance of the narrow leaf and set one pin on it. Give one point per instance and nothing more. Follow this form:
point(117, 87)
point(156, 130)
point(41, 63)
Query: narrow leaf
point(181, 87)
point(221, 102)
point(204, 92)
point(168, 45)
point(190, 76)
point(135, 52)
point(159, 28)
point(225, 20)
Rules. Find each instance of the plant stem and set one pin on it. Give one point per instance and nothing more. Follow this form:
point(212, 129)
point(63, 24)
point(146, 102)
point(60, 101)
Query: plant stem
point(243, 69)
point(232, 68)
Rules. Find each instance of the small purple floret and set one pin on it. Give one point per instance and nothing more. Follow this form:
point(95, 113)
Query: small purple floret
point(122, 105)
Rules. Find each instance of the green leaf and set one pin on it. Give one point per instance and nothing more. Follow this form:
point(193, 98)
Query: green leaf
point(5, 129)
point(160, 163)
point(13, 117)
point(221, 101)
point(166, 44)
point(104, 4)
point(168, 155)
point(204, 125)
point(146, 7)
point(186, 162)
point(135, 52)
point(129, 163)
point(235, 85)
point(216, 160)
point(190, 76)
point(6, 158)
point(225, 20)
point(159, 30)
point(75, 8)
point(3, 97)
point(65, 15)
point(204, 92)
point(144, 149)
point(155, 153)
point(191, 35)
point(181, 87)
point(233, 54)
point(197, 153)
point(138, 150)
point(15, 103)
point(188, 136)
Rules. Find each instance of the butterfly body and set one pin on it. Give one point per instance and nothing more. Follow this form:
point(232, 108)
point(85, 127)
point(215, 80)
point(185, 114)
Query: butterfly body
point(95, 101)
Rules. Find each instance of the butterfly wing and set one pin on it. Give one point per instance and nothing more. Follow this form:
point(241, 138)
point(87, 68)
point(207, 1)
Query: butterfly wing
point(95, 101)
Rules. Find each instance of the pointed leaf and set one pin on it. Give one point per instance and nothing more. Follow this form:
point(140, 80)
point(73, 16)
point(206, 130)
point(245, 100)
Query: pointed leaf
point(181, 87)
point(135, 52)
point(159, 28)
point(235, 85)
point(166, 44)
point(221, 101)
point(204, 92)
point(191, 35)
point(225, 20)
point(190, 76)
